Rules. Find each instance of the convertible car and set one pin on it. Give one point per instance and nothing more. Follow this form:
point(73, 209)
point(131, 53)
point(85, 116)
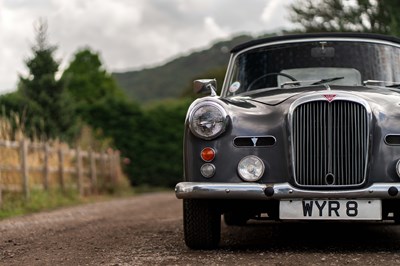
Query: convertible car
point(306, 127)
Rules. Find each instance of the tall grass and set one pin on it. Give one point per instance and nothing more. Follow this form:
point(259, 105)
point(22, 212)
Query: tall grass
point(14, 203)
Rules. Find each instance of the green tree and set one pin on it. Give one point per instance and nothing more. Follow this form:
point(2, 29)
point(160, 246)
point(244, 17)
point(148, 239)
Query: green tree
point(90, 84)
point(87, 80)
point(344, 15)
point(49, 111)
point(103, 105)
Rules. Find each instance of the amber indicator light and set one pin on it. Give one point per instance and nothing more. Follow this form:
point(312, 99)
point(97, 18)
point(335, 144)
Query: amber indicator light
point(208, 154)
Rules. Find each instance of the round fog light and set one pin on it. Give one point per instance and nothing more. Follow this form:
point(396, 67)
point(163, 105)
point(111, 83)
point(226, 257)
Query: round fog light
point(251, 168)
point(207, 170)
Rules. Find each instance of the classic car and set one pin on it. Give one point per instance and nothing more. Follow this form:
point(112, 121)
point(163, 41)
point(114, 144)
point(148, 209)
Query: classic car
point(306, 127)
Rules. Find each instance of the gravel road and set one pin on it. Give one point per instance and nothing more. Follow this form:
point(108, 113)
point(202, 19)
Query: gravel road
point(147, 230)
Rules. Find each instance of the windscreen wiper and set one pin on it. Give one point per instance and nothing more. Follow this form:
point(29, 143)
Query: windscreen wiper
point(322, 81)
point(313, 82)
point(291, 83)
point(388, 84)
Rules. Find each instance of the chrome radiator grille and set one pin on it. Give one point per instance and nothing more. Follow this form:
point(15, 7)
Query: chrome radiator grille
point(330, 143)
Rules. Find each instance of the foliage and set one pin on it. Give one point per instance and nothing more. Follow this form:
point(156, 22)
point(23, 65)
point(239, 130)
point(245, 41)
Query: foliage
point(14, 107)
point(13, 204)
point(86, 102)
point(167, 81)
point(49, 109)
point(120, 119)
point(161, 151)
point(87, 80)
point(343, 15)
point(147, 137)
point(102, 105)
point(92, 88)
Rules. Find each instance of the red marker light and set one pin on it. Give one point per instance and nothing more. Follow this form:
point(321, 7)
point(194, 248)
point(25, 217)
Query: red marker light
point(207, 154)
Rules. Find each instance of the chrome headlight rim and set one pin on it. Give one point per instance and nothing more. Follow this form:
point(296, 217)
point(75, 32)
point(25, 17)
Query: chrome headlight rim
point(262, 168)
point(398, 168)
point(220, 109)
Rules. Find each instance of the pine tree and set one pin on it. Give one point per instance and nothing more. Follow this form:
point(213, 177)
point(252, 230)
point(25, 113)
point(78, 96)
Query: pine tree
point(50, 110)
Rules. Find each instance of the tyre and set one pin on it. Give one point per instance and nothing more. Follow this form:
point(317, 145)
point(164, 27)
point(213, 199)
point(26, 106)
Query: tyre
point(201, 224)
point(232, 218)
point(396, 217)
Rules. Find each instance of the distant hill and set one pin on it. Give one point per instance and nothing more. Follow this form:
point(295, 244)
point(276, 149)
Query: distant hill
point(170, 80)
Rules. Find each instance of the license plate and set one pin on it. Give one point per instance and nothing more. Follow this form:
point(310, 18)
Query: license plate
point(330, 209)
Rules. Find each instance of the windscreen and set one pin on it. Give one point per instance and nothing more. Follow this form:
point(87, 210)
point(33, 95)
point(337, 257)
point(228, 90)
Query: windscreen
point(346, 62)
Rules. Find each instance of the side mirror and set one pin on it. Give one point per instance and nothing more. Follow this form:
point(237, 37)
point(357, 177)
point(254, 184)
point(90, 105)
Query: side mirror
point(205, 86)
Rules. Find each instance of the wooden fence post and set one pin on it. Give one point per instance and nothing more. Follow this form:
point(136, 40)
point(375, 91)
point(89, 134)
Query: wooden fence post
point(79, 170)
point(1, 196)
point(24, 167)
point(111, 166)
point(93, 172)
point(1, 190)
point(46, 170)
point(117, 165)
point(61, 168)
point(103, 158)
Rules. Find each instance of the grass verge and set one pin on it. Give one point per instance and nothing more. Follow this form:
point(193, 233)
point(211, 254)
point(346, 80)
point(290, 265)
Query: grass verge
point(14, 204)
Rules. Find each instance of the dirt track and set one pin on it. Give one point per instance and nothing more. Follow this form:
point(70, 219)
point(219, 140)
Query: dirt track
point(147, 230)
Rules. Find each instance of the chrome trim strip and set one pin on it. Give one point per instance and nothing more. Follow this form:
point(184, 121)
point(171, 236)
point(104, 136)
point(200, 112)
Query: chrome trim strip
point(319, 96)
point(320, 39)
point(228, 75)
point(255, 191)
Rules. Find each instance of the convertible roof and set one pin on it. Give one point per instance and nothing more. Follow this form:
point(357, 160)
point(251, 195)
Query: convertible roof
point(315, 35)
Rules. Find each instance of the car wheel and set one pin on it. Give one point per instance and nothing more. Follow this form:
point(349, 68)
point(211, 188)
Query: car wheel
point(201, 224)
point(232, 218)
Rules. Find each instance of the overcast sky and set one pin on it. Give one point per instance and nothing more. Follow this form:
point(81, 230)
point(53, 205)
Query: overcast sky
point(129, 34)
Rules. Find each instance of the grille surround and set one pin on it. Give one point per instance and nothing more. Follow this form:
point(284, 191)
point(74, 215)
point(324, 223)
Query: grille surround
point(322, 154)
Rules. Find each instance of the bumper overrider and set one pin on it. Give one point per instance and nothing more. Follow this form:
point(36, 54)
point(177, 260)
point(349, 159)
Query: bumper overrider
point(255, 191)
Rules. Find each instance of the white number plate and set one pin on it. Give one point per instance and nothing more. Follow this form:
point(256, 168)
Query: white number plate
point(330, 209)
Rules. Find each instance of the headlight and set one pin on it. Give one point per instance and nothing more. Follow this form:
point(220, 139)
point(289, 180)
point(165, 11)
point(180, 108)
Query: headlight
point(208, 120)
point(251, 168)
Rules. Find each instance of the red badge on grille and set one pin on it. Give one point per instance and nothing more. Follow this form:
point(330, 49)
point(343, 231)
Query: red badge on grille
point(330, 97)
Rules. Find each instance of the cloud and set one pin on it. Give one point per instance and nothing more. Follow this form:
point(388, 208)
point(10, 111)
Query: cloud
point(214, 29)
point(128, 34)
point(275, 15)
point(269, 10)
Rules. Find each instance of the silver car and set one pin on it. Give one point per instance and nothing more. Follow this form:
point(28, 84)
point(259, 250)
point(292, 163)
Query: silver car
point(307, 127)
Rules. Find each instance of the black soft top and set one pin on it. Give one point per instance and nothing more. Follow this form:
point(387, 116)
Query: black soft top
point(315, 35)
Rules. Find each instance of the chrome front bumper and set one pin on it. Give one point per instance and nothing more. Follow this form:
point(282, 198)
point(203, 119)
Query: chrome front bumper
point(254, 191)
